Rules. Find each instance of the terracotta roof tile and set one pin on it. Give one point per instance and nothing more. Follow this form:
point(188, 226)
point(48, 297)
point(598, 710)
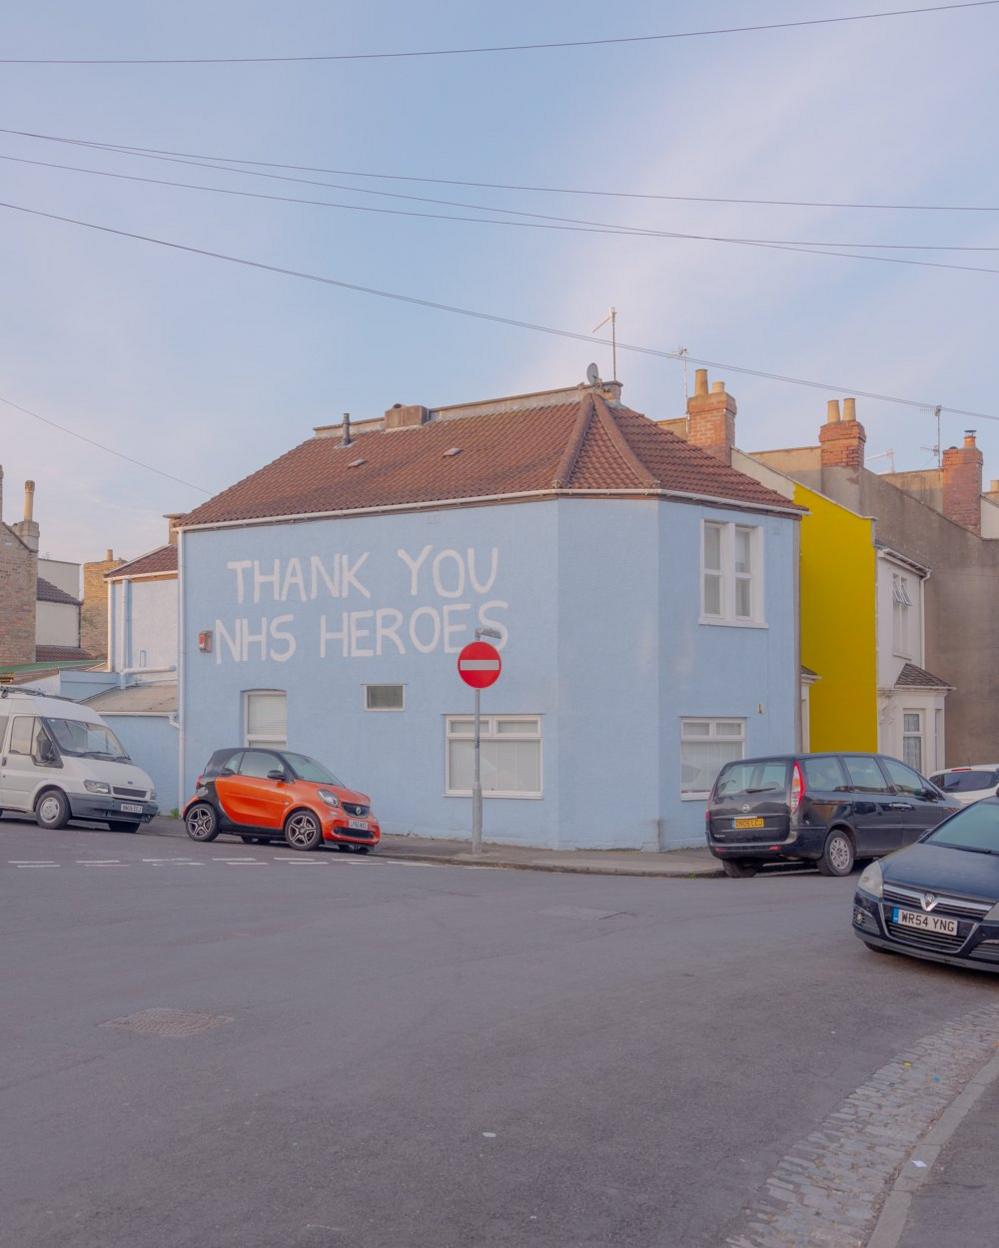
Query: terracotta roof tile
point(47, 592)
point(586, 444)
point(60, 654)
point(163, 559)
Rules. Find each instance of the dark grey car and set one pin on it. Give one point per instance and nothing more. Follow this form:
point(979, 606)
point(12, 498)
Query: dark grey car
point(830, 809)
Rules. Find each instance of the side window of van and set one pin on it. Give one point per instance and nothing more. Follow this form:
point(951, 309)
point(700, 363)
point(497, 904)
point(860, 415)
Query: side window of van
point(22, 735)
point(3, 729)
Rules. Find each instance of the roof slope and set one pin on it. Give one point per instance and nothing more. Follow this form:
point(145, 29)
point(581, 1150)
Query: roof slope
point(61, 654)
point(913, 677)
point(163, 559)
point(159, 699)
point(585, 445)
point(47, 592)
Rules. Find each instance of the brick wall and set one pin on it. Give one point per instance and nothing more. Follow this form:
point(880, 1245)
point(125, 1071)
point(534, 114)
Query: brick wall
point(962, 484)
point(94, 613)
point(18, 583)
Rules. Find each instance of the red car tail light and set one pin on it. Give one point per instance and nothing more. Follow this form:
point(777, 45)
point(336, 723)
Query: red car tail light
point(798, 789)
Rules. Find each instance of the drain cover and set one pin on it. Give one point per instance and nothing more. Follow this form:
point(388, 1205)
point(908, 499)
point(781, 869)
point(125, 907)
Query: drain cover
point(166, 1022)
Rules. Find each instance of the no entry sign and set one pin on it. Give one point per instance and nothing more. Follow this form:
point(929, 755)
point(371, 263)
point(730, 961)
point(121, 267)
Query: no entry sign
point(479, 664)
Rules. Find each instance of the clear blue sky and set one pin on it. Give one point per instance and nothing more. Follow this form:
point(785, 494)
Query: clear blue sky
point(208, 371)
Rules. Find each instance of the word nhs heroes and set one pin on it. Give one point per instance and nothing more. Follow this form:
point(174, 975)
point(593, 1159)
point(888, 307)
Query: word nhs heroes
point(359, 631)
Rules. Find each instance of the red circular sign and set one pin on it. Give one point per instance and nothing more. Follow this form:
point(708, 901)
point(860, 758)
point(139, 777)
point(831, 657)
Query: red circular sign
point(479, 664)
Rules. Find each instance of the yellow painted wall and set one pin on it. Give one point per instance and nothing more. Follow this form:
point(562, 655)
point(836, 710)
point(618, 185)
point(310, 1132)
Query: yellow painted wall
point(839, 623)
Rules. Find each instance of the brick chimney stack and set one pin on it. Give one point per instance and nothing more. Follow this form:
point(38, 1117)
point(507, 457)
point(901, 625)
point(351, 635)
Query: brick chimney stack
point(962, 484)
point(711, 418)
point(94, 615)
point(842, 437)
point(27, 529)
point(171, 518)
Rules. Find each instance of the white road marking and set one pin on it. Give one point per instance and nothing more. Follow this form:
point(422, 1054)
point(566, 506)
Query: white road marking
point(22, 865)
point(238, 862)
point(235, 860)
point(31, 862)
point(98, 862)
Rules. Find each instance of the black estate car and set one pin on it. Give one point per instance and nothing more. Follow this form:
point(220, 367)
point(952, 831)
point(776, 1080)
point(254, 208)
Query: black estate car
point(938, 899)
point(830, 809)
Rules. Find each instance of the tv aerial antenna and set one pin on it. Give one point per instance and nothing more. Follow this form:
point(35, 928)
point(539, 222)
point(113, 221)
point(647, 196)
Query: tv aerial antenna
point(612, 317)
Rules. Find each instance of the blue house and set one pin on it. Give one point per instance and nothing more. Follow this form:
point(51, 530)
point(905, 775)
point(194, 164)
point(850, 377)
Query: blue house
point(644, 591)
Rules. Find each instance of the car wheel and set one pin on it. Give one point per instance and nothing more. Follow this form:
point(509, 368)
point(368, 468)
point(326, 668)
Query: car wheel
point(302, 831)
point(201, 822)
point(52, 809)
point(124, 827)
point(837, 856)
point(739, 870)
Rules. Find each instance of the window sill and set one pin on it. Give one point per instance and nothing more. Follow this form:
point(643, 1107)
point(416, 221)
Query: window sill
point(717, 622)
point(486, 797)
point(694, 797)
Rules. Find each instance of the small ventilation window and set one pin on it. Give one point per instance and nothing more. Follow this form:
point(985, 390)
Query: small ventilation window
point(356, 463)
point(451, 451)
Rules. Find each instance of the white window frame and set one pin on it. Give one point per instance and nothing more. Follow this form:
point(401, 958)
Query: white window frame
point(903, 610)
point(489, 733)
point(382, 684)
point(729, 577)
point(698, 795)
point(919, 736)
point(255, 741)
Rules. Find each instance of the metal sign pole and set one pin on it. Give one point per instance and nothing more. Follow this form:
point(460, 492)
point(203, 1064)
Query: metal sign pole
point(477, 782)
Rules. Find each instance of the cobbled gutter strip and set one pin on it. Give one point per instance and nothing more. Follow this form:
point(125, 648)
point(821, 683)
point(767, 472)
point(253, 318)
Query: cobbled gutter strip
point(827, 1191)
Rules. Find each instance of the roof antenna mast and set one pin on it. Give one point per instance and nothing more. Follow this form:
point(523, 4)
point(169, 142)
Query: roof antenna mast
point(612, 317)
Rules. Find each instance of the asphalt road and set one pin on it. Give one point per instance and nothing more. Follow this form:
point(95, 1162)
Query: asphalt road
point(418, 1055)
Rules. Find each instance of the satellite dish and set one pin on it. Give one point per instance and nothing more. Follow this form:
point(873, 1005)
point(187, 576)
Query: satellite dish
point(593, 375)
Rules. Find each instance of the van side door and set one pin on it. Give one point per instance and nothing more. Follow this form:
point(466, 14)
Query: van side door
point(19, 774)
point(873, 811)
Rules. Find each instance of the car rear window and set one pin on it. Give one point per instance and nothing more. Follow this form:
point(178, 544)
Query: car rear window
point(824, 774)
point(764, 775)
point(966, 781)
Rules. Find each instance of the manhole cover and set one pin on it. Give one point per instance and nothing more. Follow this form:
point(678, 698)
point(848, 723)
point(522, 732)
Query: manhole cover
point(166, 1022)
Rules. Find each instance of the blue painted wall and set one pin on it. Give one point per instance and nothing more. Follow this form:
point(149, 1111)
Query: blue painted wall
point(600, 600)
point(151, 740)
point(143, 624)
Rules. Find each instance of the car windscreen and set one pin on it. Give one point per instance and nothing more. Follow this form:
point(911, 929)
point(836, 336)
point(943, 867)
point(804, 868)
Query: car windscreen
point(966, 781)
point(761, 775)
point(308, 769)
point(974, 828)
point(82, 740)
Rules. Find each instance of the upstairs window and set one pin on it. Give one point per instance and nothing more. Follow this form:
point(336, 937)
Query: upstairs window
point(902, 616)
point(731, 574)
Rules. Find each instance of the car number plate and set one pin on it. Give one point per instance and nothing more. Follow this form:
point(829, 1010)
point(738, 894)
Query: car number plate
point(127, 808)
point(924, 922)
point(358, 825)
point(748, 823)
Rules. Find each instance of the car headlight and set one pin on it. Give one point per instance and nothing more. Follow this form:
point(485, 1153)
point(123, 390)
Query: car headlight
point(96, 786)
point(152, 795)
point(329, 798)
point(872, 880)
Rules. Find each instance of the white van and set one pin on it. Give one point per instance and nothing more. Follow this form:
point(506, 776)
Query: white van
point(60, 761)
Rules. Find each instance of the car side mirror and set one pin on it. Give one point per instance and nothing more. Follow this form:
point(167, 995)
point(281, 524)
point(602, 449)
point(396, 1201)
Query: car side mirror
point(277, 774)
point(226, 771)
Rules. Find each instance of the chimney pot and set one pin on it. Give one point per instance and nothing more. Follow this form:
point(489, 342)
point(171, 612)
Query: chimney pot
point(29, 500)
point(346, 429)
point(849, 409)
point(109, 556)
point(832, 411)
point(969, 437)
point(701, 381)
point(717, 387)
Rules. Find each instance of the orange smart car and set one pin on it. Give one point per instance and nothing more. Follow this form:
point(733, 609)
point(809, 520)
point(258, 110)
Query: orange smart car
point(264, 795)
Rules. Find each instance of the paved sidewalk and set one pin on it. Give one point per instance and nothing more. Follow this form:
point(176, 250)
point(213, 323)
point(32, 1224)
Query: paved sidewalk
point(674, 864)
point(959, 1202)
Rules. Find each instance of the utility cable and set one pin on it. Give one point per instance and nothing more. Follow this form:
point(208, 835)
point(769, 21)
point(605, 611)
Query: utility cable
point(570, 224)
point(490, 316)
point(138, 463)
point(509, 47)
point(190, 157)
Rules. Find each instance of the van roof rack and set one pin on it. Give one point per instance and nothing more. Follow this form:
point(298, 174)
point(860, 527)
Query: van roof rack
point(7, 690)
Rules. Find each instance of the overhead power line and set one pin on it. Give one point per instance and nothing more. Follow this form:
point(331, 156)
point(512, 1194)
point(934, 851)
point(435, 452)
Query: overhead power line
point(543, 221)
point(181, 157)
point(508, 47)
point(492, 317)
point(101, 446)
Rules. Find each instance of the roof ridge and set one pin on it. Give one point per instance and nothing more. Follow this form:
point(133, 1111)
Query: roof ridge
point(567, 464)
point(622, 446)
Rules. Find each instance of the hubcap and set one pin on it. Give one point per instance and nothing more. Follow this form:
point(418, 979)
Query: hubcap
point(50, 808)
point(200, 823)
point(301, 830)
point(839, 853)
